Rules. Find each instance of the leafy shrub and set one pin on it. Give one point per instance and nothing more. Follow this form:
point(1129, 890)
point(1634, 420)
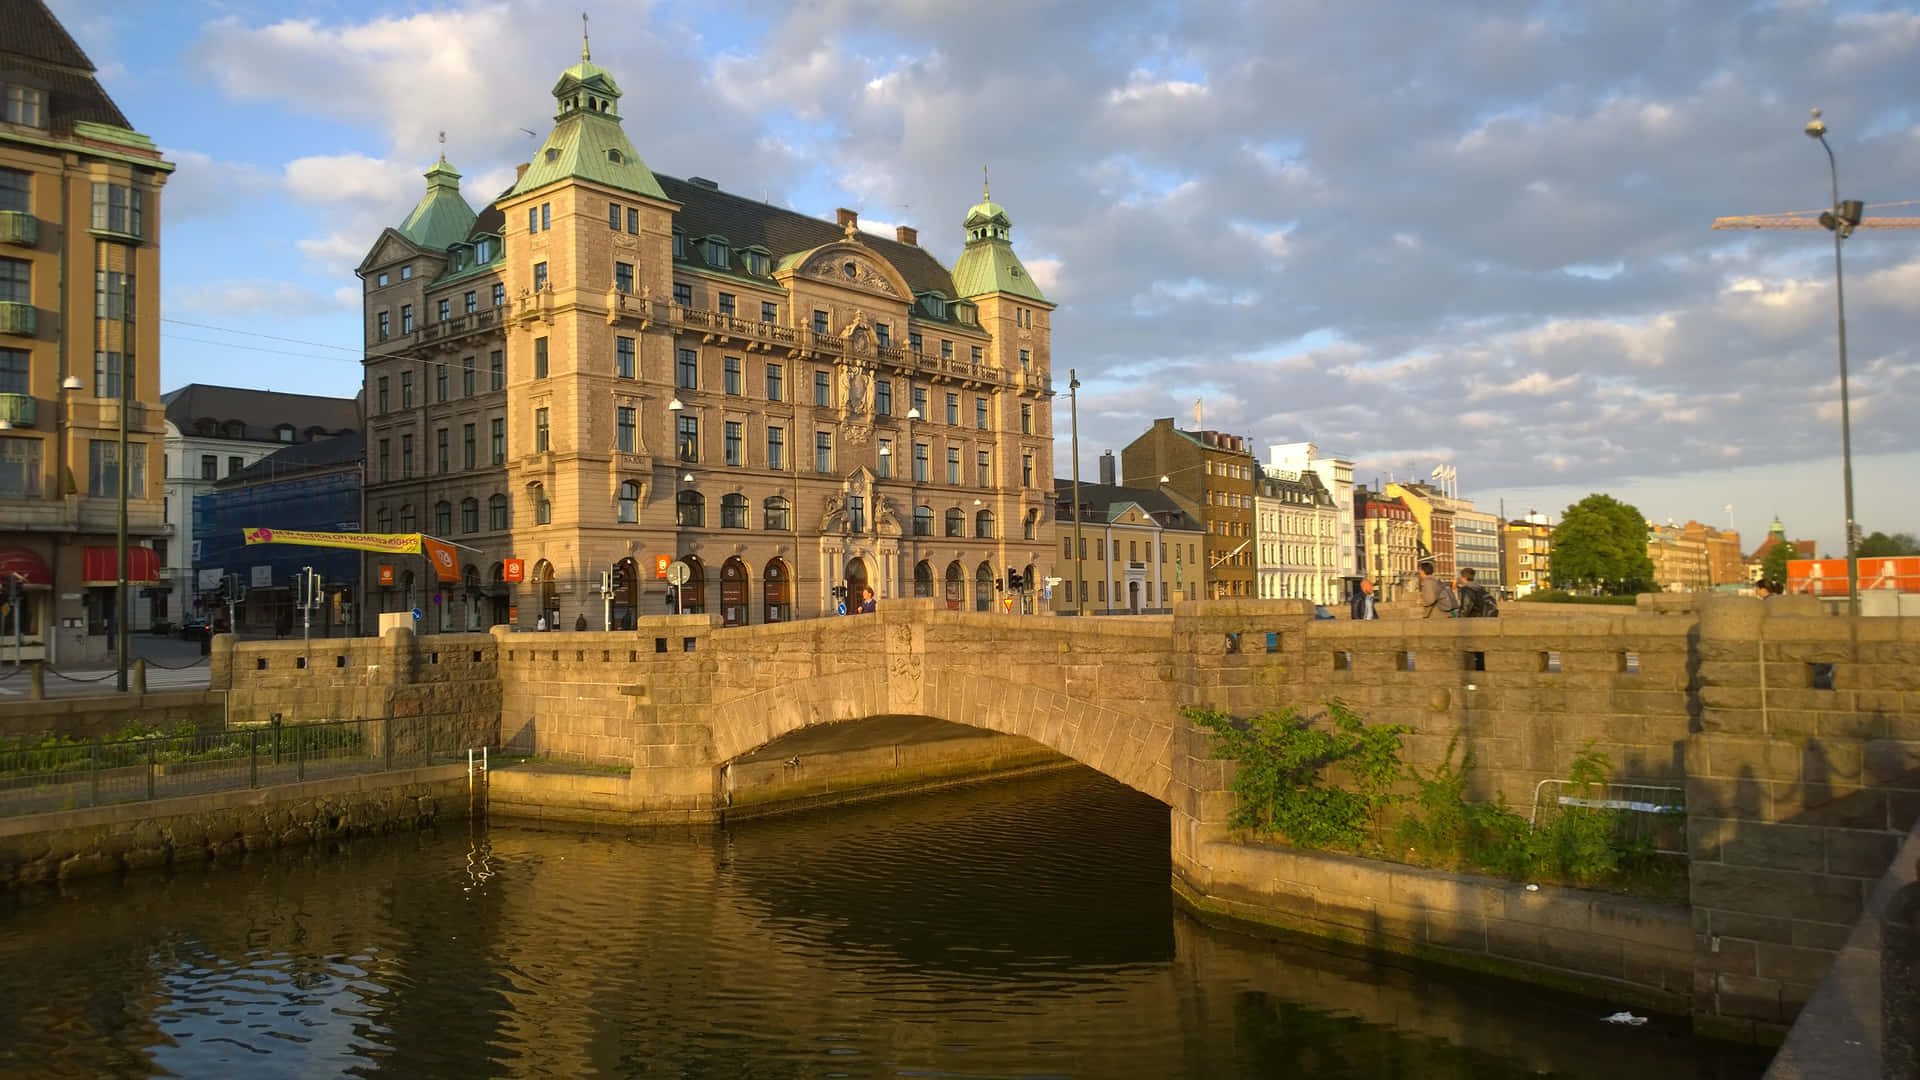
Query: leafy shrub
point(1282, 758)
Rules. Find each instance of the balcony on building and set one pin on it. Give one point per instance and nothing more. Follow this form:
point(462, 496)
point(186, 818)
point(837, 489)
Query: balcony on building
point(18, 410)
point(19, 227)
point(17, 318)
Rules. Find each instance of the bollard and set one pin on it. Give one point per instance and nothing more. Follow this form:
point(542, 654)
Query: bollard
point(93, 772)
point(153, 769)
point(139, 684)
point(274, 724)
point(37, 680)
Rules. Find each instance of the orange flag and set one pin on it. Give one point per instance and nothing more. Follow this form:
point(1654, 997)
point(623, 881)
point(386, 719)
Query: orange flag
point(446, 565)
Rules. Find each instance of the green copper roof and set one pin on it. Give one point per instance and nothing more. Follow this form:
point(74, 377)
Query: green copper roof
point(443, 217)
point(587, 142)
point(988, 211)
point(988, 265)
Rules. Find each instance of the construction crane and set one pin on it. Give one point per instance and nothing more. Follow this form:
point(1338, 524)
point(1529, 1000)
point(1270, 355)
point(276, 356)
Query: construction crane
point(1810, 219)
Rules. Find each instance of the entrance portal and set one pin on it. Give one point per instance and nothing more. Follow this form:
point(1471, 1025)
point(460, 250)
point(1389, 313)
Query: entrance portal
point(733, 592)
point(856, 582)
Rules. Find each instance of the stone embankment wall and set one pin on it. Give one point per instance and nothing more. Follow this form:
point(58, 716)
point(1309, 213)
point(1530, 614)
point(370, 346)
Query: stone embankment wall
point(103, 717)
point(42, 849)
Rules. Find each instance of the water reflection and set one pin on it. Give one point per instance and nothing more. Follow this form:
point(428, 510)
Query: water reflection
point(1017, 930)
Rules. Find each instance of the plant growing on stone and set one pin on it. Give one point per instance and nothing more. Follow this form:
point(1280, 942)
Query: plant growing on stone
point(1445, 828)
point(1280, 782)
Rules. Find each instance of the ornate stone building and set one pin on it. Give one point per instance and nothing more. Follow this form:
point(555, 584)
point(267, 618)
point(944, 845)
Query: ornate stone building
point(1298, 528)
point(672, 373)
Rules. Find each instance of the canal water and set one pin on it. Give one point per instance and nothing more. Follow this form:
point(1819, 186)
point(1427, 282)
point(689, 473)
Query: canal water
point(1019, 930)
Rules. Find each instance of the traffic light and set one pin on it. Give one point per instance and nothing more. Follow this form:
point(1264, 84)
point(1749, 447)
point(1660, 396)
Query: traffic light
point(1015, 581)
point(619, 576)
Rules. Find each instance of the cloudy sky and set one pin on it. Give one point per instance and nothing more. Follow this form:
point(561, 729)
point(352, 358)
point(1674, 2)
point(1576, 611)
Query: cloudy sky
point(1417, 232)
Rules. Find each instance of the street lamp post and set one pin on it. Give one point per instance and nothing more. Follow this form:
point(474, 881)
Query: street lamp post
point(120, 544)
point(1841, 221)
point(1079, 550)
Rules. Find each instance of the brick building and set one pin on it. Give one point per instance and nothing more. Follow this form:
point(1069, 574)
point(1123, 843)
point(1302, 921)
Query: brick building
point(1210, 474)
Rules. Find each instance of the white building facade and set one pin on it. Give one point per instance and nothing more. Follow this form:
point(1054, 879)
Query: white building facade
point(1297, 537)
point(1336, 476)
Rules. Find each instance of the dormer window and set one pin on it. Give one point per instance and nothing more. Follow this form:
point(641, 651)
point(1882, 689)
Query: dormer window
point(616, 157)
point(553, 153)
point(715, 252)
point(482, 250)
point(25, 105)
point(284, 432)
point(935, 306)
point(756, 261)
point(679, 244)
point(965, 312)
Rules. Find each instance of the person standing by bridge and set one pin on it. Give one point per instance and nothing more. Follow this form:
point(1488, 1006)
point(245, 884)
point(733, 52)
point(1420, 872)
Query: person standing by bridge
point(1361, 605)
point(866, 601)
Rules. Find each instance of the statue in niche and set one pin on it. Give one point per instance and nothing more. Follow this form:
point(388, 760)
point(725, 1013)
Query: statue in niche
point(884, 515)
point(853, 388)
point(835, 518)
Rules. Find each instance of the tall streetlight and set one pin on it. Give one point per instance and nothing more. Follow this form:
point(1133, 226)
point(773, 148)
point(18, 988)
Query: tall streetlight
point(1079, 550)
point(1841, 221)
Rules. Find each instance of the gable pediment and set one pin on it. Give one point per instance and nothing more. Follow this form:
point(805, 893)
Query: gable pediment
point(390, 248)
point(853, 265)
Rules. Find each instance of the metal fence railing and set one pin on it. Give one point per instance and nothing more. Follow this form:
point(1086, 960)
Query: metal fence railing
point(1652, 814)
point(67, 774)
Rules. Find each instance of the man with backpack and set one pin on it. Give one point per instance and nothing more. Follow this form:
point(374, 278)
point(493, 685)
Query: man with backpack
point(1476, 602)
point(1436, 596)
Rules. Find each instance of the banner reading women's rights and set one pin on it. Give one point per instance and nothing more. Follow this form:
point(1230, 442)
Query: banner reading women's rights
point(446, 564)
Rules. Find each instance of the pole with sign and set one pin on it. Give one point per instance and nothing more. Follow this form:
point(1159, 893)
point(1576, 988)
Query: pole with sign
point(307, 583)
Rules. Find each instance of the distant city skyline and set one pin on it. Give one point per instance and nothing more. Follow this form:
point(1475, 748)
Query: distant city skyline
point(1545, 308)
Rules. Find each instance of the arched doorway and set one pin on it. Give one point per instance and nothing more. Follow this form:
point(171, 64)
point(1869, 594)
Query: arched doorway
point(776, 592)
point(923, 578)
point(546, 593)
point(983, 588)
point(1133, 597)
point(956, 585)
point(626, 595)
point(855, 581)
point(470, 597)
point(734, 586)
point(502, 612)
point(693, 595)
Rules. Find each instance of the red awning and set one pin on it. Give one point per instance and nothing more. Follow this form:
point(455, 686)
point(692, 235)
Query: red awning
point(30, 567)
point(101, 566)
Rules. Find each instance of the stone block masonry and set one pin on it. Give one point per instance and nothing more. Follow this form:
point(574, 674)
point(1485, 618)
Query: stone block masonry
point(106, 716)
point(42, 849)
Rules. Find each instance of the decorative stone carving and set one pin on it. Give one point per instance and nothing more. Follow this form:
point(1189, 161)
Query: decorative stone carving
point(832, 265)
point(856, 433)
point(885, 518)
point(834, 520)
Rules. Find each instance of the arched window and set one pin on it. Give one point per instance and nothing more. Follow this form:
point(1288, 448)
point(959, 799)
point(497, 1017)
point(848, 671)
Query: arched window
point(983, 588)
point(542, 509)
point(923, 521)
point(776, 514)
point(956, 522)
point(923, 578)
point(497, 512)
point(690, 510)
point(983, 524)
point(733, 512)
point(383, 520)
point(629, 503)
point(407, 522)
point(442, 517)
point(469, 515)
point(956, 585)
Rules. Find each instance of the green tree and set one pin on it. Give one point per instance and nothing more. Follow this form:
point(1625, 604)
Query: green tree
point(1774, 566)
point(1602, 542)
point(1879, 545)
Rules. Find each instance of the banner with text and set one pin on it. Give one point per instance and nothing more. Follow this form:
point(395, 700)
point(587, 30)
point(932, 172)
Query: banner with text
point(385, 543)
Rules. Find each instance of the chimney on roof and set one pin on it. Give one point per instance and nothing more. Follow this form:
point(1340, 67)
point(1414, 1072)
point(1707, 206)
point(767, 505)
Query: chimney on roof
point(907, 235)
point(1106, 468)
point(520, 170)
point(844, 217)
point(703, 182)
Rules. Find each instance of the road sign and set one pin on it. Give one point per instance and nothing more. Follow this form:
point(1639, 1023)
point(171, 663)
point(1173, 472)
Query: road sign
point(416, 614)
point(678, 573)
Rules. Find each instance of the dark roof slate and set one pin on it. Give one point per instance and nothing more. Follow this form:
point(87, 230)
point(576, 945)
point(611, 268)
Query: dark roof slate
point(1100, 499)
point(749, 223)
point(260, 410)
point(34, 43)
point(319, 455)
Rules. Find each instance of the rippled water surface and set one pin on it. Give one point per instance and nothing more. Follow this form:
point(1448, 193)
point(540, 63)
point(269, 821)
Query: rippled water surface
point(1018, 930)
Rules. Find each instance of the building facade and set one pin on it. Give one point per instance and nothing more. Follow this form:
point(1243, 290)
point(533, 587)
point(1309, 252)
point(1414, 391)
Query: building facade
point(1140, 549)
point(1526, 546)
point(214, 433)
point(1476, 545)
point(1724, 563)
point(1336, 475)
point(79, 344)
point(310, 485)
point(1433, 511)
point(1210, 475)
point(788, 408)
point(1680, 561)
point(1297, 532)
point(1390, 540)
point(1777, 534)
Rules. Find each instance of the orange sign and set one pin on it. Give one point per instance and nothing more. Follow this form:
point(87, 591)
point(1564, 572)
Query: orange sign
point(513, 613)
point(1828, 577)
point(660, 564)
point(446, 565)
point(513, 570)
point(386, 575)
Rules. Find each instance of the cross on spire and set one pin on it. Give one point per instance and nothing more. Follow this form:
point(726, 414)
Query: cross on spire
point(443, 146)
point(986, 190)
point(585, 52)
